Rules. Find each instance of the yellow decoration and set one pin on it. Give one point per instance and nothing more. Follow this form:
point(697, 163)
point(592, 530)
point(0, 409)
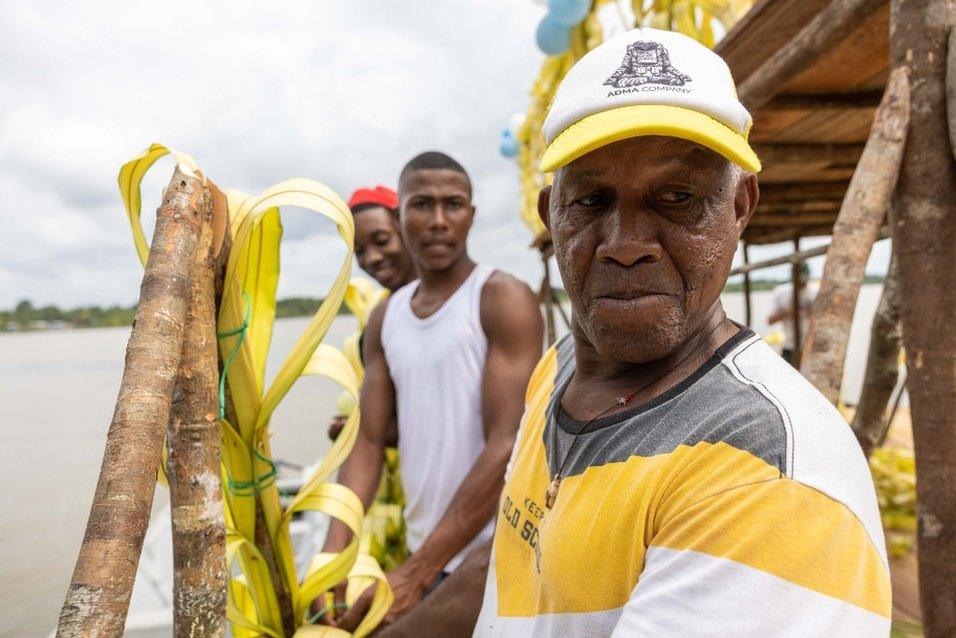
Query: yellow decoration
point(252, 277)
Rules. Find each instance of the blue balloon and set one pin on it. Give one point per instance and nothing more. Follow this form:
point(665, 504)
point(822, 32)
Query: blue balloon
point(509, 145)
point(553, 38)
point(568, 12)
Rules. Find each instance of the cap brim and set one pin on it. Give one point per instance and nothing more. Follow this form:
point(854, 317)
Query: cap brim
point(637, 120)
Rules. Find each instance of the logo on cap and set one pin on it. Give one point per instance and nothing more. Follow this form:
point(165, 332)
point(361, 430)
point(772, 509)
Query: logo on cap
point(646, 63)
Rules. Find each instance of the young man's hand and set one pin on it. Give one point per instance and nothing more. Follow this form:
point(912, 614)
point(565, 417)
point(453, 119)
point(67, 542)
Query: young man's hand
point(409, 583)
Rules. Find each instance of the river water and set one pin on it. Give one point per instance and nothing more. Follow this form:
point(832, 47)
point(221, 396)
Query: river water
point(57, 391)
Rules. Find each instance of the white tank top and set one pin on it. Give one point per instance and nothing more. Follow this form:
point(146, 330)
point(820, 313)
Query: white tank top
point(437, 364)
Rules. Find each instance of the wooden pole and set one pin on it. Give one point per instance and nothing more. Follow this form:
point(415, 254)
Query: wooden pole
point(864, 208)
point(195, 489)
point(547, 297)
point(951, 91)
point(796, 304)
point(830, 27)
point(98, 597)
point(882, 366)
point(925, 236)
point(797, 257)
point(748, 308)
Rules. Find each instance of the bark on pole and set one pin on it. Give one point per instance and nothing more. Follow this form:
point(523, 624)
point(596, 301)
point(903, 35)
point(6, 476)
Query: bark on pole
point(882, 366)
point(195, 489)
point(98, 598)
point(951, 91)
point(858, 226)
point(925, 236)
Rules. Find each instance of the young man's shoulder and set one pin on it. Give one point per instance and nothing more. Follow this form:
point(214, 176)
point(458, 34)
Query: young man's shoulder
point(506, 300)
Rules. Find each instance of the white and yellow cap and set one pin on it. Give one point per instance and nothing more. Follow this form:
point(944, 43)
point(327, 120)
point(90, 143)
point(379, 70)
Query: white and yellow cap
point(647, 82)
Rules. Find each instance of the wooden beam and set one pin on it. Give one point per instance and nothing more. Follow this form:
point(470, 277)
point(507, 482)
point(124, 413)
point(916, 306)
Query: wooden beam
point(865, 99)
point(748, 309)
point(792, 258)
point(813, 206)
point(195, 490)
point(803, 191)
point(778, 220)
point(833, 154)
point(865, 207)
point(830, 27)
point(951, 90)
point(870, 421)
point(98, 598)
point(796, 303)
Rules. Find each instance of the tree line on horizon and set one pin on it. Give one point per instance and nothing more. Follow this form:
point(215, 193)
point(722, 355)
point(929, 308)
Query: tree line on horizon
point(25, 316)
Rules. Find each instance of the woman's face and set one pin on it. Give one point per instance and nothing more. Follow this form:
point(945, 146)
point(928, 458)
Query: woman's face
point(379, 248)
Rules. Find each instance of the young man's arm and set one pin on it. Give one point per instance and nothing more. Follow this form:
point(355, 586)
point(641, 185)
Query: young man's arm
point(453, 608)
point(512, 323)
point(362, 470)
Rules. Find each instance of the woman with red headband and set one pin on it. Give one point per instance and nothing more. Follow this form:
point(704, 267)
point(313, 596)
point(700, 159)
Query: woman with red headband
point(379, 248)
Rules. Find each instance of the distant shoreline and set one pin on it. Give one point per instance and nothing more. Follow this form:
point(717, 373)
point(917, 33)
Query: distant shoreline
point(26, 317)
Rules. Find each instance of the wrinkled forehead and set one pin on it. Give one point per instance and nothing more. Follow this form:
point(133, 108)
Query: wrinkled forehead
point(434, 183)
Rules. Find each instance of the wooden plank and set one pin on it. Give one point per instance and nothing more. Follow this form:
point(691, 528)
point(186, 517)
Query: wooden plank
point(780, 153)
point(810, 100)
point(767, 27)
point(827, 29)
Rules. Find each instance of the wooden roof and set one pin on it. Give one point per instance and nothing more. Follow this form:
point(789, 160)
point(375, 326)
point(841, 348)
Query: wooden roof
point(810, 135)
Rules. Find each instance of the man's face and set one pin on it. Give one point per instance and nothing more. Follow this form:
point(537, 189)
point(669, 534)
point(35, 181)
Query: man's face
point(644, 234)
point(436, 215)
point(379, 248)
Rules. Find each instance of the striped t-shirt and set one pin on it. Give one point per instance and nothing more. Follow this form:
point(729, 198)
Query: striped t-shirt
point(736, 504)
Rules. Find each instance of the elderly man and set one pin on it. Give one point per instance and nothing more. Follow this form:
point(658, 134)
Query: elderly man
point(673, 476)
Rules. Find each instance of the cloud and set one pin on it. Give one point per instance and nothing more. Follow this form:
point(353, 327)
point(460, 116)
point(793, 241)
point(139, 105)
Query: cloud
point(340, 92)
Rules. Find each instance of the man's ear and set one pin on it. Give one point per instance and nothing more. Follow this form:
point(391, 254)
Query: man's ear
point(745, 202)
point(544, 206)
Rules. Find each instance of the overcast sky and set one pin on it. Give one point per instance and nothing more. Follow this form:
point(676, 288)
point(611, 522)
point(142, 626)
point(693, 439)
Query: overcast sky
point(342, 92)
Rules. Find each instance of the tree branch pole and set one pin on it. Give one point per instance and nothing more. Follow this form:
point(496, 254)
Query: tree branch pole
point(951, 90)
point(796, 304)
point(864, 208)
point(98, 597)
point(882, 367)
point(195, 489)
point(547, 297)
point(830, 27)
point(925, 236)
point(748, 307)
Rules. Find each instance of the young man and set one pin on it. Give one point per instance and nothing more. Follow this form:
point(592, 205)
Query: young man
point(450, 354)
point(673, 476)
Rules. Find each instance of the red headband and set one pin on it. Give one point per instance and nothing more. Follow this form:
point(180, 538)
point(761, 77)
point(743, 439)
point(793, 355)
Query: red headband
point(380, 195)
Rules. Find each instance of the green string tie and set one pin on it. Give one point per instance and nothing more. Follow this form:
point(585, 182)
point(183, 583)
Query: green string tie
point(256, 485)
point(321, 613)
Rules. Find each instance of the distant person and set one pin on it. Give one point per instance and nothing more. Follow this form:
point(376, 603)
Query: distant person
point(450, 355)
point(783, 312)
